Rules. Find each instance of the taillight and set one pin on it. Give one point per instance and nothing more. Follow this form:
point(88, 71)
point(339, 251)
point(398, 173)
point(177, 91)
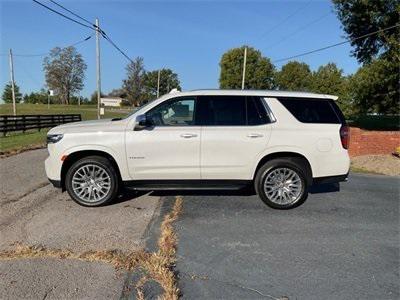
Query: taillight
point(345, 136)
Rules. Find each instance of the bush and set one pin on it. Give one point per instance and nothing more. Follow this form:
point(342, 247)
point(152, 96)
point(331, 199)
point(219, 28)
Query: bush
point(375, 122)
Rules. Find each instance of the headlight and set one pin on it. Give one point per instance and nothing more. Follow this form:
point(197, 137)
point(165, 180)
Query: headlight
point(54, 138)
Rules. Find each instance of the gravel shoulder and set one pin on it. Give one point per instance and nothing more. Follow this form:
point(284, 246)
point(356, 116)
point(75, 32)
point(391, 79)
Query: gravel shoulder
point(32, 212)
point(381, 164)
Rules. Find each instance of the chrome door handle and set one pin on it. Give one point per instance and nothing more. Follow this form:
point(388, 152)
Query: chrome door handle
point(188, 135)
point(254, 135)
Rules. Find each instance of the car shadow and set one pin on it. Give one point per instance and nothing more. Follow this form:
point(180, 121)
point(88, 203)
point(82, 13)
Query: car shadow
point(324, 188)
point(128, 194)
point(203, 192)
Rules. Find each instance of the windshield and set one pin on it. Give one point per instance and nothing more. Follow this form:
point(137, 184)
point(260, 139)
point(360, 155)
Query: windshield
point(136, 109)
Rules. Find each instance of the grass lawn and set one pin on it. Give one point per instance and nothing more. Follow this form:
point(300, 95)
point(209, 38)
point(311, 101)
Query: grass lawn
point(88, 112)
point(18, 141)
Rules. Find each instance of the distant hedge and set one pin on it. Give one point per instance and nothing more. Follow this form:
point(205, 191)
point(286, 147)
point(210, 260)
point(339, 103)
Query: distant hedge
point(375, 122)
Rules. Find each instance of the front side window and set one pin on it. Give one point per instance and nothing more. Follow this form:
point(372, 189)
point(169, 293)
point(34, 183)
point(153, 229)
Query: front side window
point(175, 112)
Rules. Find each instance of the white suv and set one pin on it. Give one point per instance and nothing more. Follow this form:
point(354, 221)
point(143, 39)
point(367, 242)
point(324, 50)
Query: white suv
point(278, 142)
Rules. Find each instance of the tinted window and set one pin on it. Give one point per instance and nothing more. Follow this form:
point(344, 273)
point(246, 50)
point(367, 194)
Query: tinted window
point(311, 110)
point(176, 112)
point(222, 110)
point(256, 114)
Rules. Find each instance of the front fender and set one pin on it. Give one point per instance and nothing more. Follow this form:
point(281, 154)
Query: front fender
point(119, 157)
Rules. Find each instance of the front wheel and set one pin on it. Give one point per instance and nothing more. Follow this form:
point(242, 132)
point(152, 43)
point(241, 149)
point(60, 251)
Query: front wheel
point(92, 181)
point(281, 184)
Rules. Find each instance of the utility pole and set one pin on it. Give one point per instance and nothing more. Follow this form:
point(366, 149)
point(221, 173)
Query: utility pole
point(244, 67)
point(12, 83)
point(98, 67)
point(158, 84)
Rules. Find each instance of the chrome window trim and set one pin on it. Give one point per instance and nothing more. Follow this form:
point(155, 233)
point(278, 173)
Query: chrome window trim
point(268, 109)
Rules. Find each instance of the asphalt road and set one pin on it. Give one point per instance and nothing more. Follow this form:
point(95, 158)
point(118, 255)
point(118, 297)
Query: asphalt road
point(33, 213)
point(338, 245)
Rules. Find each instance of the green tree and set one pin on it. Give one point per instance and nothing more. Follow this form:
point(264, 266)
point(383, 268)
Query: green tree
point(168, 81)
point(133, 85)
point(360, 17)
point(376, 85)
point(259, 70)
point(329, 79)
point(65, 72)
point(36, 97)
point(294, 76)
point(93, 98)
point(117, 93)
point(7, 93)
point(375, 88)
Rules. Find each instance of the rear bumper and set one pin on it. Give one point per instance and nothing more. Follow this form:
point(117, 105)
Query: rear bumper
point(330, 179)
point(55, 183)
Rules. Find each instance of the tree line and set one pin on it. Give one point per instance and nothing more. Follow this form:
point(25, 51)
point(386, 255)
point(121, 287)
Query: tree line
point(373, 88)
point(65, 73)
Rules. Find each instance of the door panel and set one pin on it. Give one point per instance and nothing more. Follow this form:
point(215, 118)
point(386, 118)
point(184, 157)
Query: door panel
point(231, 152)
point(235, 131)
point(170, 148)
point(164, 153)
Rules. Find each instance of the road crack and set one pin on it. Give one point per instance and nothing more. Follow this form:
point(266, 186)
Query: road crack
point(32, 190)
point(206, 277)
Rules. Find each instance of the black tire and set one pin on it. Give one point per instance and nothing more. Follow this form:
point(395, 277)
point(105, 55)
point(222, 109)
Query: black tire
point(108, 167)
point(293, 164)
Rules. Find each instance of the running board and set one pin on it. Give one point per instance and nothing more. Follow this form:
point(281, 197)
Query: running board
point(145, 185)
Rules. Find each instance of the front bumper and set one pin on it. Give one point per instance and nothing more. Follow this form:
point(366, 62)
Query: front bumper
point(55, 183)
point(53, 166)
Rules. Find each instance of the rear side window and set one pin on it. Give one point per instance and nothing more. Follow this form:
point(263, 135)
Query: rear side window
point(230, 111)
point(256, 113)
point(222, 110)
point(313, 110)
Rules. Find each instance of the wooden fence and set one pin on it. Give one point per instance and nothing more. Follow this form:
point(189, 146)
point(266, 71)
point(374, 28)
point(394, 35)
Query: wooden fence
point(9, 123)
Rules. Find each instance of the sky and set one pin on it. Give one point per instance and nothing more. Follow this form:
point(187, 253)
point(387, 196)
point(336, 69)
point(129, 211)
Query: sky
point(187, 36)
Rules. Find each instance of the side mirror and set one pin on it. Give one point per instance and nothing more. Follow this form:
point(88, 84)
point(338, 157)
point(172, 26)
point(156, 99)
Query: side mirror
point(142, 122)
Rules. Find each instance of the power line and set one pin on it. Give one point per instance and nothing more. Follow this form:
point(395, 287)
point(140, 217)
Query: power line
point(337, 44)
point(115, 46)
point(61, 14)
point(285, 19)
point(44, 54)
point(72, 13)
point(33, 79)
point(297, 31)
point(104, 35)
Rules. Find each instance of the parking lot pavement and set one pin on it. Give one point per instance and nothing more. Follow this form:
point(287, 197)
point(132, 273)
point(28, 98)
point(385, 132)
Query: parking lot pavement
point(21, 174)
point(338, 245)
point(32, 212)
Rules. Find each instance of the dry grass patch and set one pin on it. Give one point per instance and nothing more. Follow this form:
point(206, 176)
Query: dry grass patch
point(11, 152)
point(158, 266)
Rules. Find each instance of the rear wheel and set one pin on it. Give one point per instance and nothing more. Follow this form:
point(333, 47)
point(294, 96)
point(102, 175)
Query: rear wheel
point(281, 183)
point(92, 181)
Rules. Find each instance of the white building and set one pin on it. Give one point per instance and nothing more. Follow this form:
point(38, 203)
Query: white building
point(111, 101)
